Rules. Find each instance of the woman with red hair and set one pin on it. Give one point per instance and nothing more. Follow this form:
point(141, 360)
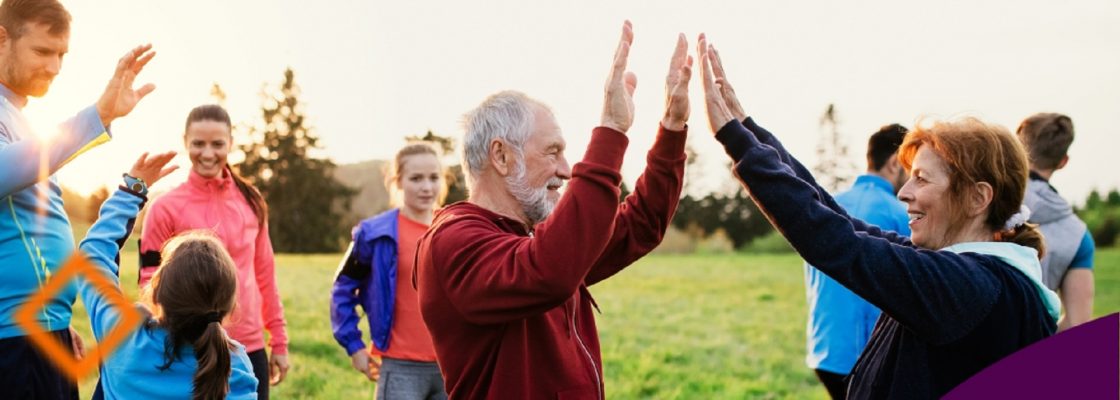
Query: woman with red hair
point(960, 294)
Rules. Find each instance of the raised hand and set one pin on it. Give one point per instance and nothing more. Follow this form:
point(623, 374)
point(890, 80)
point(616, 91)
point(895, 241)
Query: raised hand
point(618, 104)
point(719, 113)
point(151, 169)
point(724, 85)
point(119, 97)
point(676, 87)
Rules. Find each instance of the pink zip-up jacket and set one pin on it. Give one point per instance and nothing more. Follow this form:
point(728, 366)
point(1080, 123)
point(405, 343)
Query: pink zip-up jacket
point(216, 205)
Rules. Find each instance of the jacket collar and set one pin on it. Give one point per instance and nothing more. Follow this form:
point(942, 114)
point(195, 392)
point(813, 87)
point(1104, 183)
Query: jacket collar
point(875, 181)
point(465, 207)
point(217, 183)
point(16, 100)
point(1022, 258)
point(384, 224)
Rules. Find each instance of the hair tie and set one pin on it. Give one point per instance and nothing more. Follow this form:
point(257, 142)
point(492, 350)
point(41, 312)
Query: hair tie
point(1018, 219)
point(212, 317)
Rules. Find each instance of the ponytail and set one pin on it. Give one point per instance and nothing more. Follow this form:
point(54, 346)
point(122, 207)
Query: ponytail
point(1026, 235)
point(212, 349)
point(194, 288)
point(252, 195)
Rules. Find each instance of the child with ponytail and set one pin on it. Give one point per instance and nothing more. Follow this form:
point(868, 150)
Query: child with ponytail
point(181, 349)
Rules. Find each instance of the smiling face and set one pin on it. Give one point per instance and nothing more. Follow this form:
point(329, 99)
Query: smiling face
point(208, 144)
point(928, 200)
point(420, 181)
point(542, 169)
point(30, 63)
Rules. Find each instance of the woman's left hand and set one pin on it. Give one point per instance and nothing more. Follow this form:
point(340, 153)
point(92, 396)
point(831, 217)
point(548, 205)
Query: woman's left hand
point(151, 169)
point(277, 368)
point(719, 113)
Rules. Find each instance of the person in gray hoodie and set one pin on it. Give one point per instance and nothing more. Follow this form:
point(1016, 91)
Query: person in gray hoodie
point(1067, 266)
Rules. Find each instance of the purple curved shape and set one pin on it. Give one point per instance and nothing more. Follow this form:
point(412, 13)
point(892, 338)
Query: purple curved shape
point(1081, 363)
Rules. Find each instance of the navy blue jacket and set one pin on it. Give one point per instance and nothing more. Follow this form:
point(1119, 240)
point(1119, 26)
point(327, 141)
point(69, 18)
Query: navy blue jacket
point(367, 277)
point(946, 316)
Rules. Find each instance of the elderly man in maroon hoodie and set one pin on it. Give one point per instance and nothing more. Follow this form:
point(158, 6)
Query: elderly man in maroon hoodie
point(503, 276)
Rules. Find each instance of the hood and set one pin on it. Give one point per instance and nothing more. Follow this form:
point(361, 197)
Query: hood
point(1024, 259)
point(1045, 204)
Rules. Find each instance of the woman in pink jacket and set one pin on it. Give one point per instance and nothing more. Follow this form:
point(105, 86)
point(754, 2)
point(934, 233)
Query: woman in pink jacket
point(217, 199)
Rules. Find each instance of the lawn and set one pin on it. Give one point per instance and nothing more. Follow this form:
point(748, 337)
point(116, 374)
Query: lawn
point(672, 326)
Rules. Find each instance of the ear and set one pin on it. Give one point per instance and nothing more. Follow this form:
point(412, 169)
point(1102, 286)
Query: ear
point(893, 166)
point(980, 199)
point(4, 37)
point(500, 157)
point(1062, 164)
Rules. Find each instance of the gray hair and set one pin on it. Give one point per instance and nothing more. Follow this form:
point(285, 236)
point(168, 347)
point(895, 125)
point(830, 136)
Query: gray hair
point(507, 116)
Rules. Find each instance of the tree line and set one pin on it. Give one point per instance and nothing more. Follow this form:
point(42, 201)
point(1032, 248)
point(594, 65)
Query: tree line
point(308, 205)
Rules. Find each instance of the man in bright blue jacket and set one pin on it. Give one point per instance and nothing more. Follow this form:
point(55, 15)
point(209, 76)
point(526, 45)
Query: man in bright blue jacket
point(35, 235)
point(840, 322)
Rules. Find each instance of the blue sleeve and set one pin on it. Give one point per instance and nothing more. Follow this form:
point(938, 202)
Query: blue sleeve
point(765, 137)
point(242, 381)
point(20, 159)
point(941, 296)
point(1084, 256)
point(345, 299)
point(102, 246)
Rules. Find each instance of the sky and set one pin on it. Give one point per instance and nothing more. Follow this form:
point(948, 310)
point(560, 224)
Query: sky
point(373, 72)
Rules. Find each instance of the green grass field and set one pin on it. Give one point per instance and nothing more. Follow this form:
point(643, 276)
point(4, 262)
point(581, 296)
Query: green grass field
point(672, 326)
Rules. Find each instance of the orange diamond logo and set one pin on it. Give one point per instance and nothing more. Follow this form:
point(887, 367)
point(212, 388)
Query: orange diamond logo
point(61, 356)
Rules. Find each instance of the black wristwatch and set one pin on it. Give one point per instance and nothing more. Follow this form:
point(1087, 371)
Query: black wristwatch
point(135, 184)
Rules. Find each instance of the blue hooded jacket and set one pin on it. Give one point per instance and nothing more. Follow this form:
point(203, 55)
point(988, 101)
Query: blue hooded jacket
point(367, 277)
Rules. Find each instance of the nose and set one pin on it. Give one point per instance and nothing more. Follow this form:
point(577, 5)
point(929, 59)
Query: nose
point(428, 185)
point(54, 66)
point(906, 193)
point(565, 170)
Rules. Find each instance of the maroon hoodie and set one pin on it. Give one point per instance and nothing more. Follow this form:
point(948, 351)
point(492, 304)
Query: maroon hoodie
point(508, 308)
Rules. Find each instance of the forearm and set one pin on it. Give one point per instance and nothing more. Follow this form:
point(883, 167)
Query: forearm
point(645, 214)
point(25, 161)
point(1077, 292)
point(272, 308)
point(939, 295)
point(765, 137)
point(102, 247)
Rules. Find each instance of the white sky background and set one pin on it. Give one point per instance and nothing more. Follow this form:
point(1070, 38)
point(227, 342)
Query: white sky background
point(373, 72)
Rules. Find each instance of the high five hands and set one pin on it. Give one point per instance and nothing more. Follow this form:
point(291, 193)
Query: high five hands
point(719, 97)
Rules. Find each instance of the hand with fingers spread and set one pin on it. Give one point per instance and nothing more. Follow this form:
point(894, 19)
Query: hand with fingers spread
point(719, 113)
point(618, 104)
point(676, 87)
point(119, 97)
point(151, 169)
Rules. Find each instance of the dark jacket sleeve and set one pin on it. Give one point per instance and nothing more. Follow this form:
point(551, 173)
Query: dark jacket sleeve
point(765, 137)
point(644, 216)
point(492, 276)
point(351, 275)
point(939, 295)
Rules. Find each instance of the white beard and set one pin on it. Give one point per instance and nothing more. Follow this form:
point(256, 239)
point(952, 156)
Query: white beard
point(534, 201)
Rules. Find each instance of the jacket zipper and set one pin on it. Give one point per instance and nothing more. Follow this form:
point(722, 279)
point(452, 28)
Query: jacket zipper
point(594, 367)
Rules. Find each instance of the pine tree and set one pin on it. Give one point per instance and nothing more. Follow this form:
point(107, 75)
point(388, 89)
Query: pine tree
point(305, 203)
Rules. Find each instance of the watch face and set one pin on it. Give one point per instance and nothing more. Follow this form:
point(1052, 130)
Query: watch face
point(138, 187)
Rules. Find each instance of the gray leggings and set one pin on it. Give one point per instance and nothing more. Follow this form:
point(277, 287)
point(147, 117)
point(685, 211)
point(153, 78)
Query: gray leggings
point(409, 380)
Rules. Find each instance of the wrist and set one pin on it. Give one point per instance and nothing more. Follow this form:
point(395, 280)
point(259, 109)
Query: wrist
point(135, 185)
point(673, 124)
point(106, 119)
point(614, 126)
